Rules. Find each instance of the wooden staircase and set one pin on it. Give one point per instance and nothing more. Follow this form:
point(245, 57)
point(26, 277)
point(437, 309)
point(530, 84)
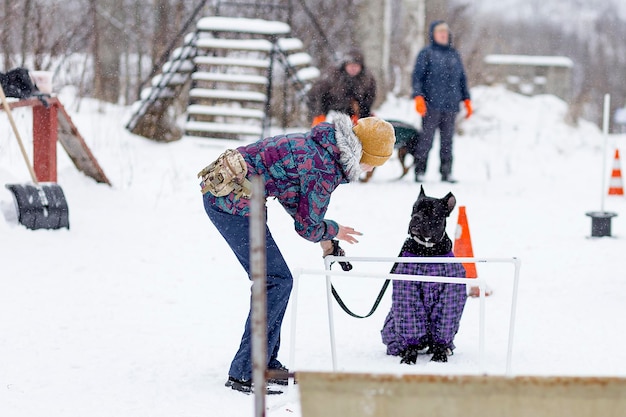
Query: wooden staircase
point(231, 67)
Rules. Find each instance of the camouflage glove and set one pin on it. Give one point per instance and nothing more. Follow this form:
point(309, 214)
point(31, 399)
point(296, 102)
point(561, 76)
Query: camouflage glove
point(331, 247)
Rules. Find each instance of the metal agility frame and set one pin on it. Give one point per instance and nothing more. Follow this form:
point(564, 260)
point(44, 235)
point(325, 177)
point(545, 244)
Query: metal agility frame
point(401, 277)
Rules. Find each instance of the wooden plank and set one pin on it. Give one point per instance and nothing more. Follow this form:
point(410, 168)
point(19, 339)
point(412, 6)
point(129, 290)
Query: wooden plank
point(234, 62)
point(299, 59)
point(381, 395)
point(201, 110)
point(242, 25)
point(308, 74)
point(290, 44)
point(229, 78)
point(260, 45)
point(238, 129)
point(77, 149)
point(227, 95)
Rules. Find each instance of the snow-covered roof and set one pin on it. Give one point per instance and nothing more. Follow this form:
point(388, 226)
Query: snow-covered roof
point(230, 24)
point(536, 60)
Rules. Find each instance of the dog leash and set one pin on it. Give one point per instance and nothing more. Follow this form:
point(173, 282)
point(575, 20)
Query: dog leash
point(374, 307)
point(345, 308)
point(347, 266)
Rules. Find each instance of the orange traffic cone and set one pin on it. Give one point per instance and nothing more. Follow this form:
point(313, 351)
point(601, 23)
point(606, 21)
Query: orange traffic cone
point(463, 249)
point(615, 183)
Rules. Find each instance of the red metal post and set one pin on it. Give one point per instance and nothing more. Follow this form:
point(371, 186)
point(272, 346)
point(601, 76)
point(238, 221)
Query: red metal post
point(45, 142)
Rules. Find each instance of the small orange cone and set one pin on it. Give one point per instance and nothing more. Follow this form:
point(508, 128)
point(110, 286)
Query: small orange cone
point(615, 183)
point(463, 243)
point(463, 249)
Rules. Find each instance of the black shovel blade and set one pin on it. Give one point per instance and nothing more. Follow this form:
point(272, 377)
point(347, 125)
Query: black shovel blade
point(41, 207)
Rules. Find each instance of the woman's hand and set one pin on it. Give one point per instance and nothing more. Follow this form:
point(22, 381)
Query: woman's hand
point(347, 234)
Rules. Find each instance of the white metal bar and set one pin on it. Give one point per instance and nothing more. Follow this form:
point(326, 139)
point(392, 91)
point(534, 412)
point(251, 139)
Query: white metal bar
point(481, 325)
point(509, 355)
point(331, 317)
point(419, 260)
point(396, 277)
point(294, 315)
point(423, 278)
point(605, 132)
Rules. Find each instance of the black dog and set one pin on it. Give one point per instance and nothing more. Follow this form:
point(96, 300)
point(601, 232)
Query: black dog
point(426, 314)
point(427, 228)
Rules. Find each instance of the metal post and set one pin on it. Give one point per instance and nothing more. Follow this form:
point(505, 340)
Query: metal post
point(481, 326)
point(331, 319)
point(509, 355)
point(605, 132)
point(258, 263)
point(45, 126)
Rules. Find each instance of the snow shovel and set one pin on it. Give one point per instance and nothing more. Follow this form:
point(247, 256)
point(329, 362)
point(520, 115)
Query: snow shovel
point(39, 206)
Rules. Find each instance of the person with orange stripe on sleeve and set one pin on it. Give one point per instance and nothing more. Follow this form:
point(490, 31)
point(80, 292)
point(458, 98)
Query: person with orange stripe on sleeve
point(348, 88)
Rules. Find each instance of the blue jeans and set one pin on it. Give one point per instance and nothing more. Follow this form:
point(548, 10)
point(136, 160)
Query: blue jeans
point(236, 231)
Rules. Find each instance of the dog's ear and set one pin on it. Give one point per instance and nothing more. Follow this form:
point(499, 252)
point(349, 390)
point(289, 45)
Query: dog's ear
point(450, 202)
point(422, 194)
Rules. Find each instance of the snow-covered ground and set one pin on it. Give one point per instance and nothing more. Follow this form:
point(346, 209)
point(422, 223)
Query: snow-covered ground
point(139, 307)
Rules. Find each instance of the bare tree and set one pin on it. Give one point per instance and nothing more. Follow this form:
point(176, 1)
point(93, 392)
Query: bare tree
point(7, 31)
point(162, 14)
point(107, 48)
point(27, 9)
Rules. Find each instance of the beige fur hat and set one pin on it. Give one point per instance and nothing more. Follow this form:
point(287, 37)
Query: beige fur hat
point(377, 138)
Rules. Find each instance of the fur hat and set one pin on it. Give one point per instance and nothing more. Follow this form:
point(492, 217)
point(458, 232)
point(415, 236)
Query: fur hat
point(377, 137)
point(354, 55)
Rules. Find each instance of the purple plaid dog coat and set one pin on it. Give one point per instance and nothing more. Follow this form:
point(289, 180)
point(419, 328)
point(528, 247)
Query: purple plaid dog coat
point(424, 311)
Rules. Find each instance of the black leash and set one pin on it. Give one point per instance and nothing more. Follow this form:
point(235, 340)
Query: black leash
point(347, 266)
point(374, 307)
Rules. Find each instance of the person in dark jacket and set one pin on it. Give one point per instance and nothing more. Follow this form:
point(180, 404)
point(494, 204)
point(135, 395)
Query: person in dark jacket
point(348, 88)
point(439, 86)
point(301, 171)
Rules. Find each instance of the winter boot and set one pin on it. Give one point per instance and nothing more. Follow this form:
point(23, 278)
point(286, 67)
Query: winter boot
point(240, 385)
point(246, 386)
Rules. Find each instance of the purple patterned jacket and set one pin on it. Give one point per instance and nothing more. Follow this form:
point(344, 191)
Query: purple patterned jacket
point(423, 311)
point(301, 170)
